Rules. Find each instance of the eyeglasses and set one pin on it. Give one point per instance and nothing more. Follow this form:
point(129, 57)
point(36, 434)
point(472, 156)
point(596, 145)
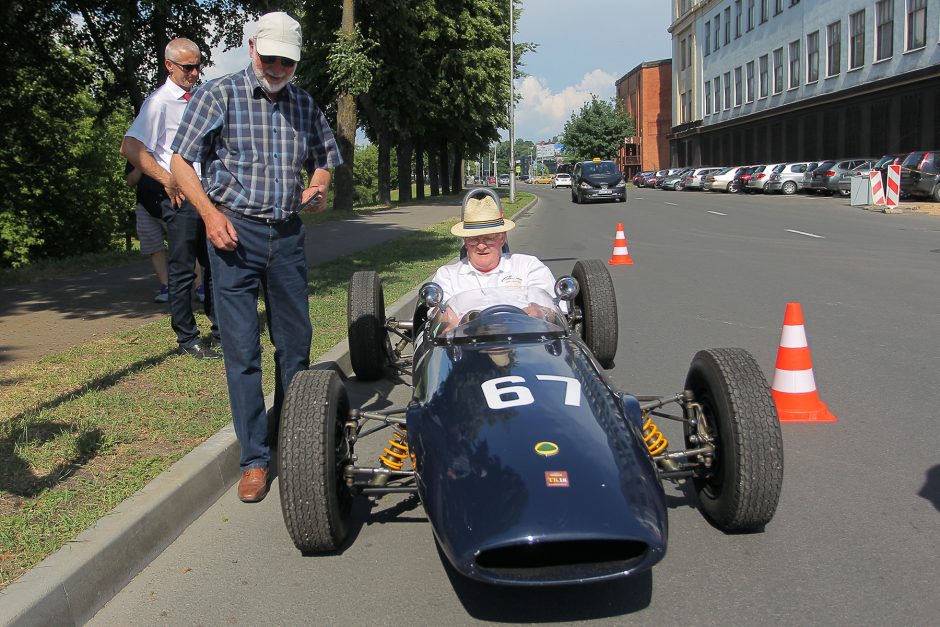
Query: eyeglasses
point(187, 67)
point(489, 240)
point(270, 59)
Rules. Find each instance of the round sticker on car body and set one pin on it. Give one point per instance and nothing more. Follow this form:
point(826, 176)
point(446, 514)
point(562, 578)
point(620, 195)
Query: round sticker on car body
point(546, 449)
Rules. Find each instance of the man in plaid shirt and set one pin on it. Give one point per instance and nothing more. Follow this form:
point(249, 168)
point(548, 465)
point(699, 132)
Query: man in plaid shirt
point(254, 134)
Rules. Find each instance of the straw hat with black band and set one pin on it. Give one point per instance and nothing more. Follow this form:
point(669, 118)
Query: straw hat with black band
point(482, 216)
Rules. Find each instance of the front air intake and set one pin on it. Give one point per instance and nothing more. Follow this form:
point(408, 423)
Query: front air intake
point(562, 561)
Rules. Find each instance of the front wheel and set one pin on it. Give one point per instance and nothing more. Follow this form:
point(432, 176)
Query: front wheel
point(741, 489)
point(312, 452)
point(369, 347)
point(598, 305)
point(935, 194)
point(788, 188)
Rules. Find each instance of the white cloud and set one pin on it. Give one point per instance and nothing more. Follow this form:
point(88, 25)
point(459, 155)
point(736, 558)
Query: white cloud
point(541, 113)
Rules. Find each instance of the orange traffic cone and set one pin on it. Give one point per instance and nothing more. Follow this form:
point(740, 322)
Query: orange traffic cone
point(621, 255)
point(794, 386)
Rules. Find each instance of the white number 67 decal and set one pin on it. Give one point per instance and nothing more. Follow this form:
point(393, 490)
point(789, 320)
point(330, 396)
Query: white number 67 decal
point(518, 395)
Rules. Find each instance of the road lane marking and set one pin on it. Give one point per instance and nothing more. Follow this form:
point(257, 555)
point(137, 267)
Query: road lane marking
point(670, 203)
point(806, 234)
point(718, 213)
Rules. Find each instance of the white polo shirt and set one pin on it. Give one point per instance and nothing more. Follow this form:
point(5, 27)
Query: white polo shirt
point(514, 270)
point(159, 118)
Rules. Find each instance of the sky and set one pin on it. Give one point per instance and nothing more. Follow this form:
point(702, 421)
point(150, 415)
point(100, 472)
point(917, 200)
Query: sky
point(584, 47)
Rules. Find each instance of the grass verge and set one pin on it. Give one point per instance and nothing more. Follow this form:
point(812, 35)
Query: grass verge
point(83, 429)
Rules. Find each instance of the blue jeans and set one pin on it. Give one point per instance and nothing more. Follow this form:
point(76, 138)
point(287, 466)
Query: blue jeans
point(270, 257)
point(186, 238)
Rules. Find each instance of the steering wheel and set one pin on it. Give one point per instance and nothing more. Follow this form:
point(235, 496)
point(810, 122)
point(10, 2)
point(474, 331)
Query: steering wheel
point(496, 310)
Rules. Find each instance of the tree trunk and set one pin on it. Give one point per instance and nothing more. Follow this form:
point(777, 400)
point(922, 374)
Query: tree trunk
point(381, 130)
point(345, 131)
point(434, 173)
point(457, 184)
point(403, 148)
point(442, 167)
point(419, 169)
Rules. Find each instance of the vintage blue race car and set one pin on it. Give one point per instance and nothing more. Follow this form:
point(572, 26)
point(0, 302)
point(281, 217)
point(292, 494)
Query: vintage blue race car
point(531, 467)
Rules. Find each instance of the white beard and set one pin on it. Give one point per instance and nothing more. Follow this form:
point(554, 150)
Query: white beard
point(268, 83)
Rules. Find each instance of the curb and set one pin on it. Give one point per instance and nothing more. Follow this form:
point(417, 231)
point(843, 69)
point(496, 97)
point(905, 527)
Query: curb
point(72, 584)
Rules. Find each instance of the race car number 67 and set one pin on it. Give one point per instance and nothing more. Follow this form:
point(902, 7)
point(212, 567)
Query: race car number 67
point(518, 395)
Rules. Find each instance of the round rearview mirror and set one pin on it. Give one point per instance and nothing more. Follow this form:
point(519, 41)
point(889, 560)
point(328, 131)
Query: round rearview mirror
point(566, 288)
point(431, 294)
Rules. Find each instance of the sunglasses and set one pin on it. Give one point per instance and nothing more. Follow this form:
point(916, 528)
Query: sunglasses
point(187, 67)
point(489, 240)
point(270, 59)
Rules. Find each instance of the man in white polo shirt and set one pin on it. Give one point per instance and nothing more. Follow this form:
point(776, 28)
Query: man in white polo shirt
point(147, 146)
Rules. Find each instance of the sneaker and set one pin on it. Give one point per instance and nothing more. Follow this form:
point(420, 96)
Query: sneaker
point(201, 294)
point(163, 295)
point(200, 351)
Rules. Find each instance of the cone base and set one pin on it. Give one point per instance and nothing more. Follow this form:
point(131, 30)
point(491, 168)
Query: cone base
point(620, 261)
point(792, 408)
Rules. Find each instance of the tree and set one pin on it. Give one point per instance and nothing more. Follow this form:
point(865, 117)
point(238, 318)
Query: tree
point(597, 130)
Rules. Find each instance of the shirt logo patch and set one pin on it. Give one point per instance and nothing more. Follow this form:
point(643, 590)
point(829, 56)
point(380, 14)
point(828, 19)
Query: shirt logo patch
point(511, 281)
point(556, 479)
point(546, 449)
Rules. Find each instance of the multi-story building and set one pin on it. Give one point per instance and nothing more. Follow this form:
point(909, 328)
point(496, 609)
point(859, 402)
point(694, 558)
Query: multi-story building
point(782, 80)
point(645, 93)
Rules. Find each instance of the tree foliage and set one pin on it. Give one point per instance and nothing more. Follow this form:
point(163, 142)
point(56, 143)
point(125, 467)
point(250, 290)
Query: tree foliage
point(597, 130)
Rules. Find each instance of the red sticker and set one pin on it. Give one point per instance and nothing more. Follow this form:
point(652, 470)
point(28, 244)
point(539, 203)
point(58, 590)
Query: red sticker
point(556, 479)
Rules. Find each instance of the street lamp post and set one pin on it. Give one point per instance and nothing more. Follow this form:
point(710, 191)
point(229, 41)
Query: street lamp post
point(512, 109)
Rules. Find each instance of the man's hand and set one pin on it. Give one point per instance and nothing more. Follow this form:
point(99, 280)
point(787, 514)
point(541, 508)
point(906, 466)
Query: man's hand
point(220, 231)
point(174, 192)
point(313, 198)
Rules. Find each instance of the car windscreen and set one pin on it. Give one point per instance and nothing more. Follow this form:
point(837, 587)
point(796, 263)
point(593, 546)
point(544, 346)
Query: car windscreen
point(600, 167)
point(913, 159)
point(485, 314)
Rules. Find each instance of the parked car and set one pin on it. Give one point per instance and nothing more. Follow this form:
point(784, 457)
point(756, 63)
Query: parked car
point(760, 176)
point(491, 180)
point(667, 173)
point(696, 177)
point(504, 179)
point(845, 181)
point(718, 181)
point(640, 177)
point(739, 182)
point(787, 178)
point(562, 179)
point(920, 174)
point(893, 159)
point(825, 178)
point(597, 180)
point(674, 181)
point(650, 181)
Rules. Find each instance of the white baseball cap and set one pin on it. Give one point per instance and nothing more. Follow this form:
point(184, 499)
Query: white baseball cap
point(278, 35)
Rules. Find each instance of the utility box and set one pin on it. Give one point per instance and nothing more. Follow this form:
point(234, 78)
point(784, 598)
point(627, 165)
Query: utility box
point(860, 192)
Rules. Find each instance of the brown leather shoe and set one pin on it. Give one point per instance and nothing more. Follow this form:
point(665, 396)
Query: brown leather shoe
point(253, 485)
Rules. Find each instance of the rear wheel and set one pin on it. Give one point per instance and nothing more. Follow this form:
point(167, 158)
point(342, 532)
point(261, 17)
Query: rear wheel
point(788, 188)
point(574, 197)
point(935, 194)
point(312, 451)
point(741, 489)
point(598, 305)
point(369, 347)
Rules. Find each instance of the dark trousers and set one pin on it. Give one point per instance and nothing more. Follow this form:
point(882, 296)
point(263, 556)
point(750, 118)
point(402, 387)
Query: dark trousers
point(268, 257)
point(186, 238)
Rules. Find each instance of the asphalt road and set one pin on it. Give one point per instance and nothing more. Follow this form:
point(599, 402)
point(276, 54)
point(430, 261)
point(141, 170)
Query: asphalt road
point(855, 538)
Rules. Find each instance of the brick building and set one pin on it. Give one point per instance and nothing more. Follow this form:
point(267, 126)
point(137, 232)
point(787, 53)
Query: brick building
point(646, 94)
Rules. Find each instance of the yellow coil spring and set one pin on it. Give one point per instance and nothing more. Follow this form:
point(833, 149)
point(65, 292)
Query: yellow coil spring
point(397, 451)
point(656, 442)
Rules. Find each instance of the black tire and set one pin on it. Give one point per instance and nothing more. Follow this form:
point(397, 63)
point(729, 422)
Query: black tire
point(741, 490)
point(598, 305)
point(935, 194)
point(843, 193)
point(315, 501)
point(732, 188)
point(574, 197)
point(368, 340)
point(788, 188)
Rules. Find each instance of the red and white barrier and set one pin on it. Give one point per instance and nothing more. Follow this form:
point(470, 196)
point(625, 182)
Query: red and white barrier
point(877, 188)
point(893, 187)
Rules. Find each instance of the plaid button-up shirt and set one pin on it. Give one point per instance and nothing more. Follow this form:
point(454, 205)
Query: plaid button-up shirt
point(253, 150)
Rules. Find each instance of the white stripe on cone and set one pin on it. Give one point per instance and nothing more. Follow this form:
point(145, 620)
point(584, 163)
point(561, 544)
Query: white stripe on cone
point(793, 336)
point(620, 250)
point(794, 381)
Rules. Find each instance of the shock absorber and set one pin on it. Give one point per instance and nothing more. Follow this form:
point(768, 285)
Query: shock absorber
point(655, 441)
point(397, 450)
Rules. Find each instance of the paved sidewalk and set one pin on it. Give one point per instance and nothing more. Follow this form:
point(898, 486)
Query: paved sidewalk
point(48, 317)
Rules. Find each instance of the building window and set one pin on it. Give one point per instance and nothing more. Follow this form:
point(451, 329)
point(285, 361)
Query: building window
point(688, 106)
point(794, 2)
point(794, 64)
point(750, 14)
point(717, 32)
point(727, 90)
point(707, 97)
point(834, 48)
point(916, 24)
point(778, 7)
point(884, 31)
point(738, 92)
point(682, 53)
point(738, 16)
point(749, 94)
point(688, 51)
point(708, 38)
point(857, 39)
point(762, 83)
point(717, 84)
point(764, 10)
point(778, 70)
point(727, 26)
point(812, 57)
